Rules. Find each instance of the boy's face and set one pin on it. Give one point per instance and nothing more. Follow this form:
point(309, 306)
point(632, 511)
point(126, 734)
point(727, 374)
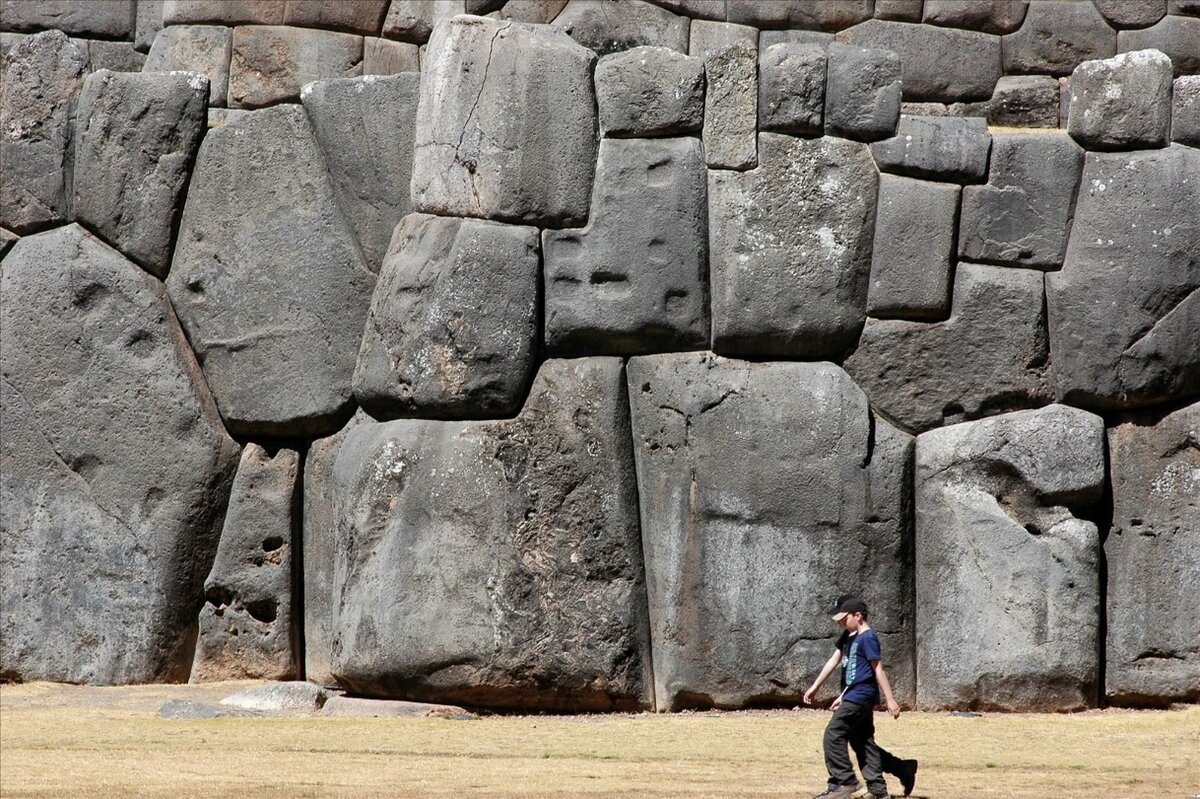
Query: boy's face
point(851, 621)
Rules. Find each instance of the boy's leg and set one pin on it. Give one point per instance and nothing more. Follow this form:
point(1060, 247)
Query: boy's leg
point(868, 753)
point(889, 762)
point(837, 735)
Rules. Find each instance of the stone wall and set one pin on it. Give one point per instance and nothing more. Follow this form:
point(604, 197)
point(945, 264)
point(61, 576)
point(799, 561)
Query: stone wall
point(575, 354)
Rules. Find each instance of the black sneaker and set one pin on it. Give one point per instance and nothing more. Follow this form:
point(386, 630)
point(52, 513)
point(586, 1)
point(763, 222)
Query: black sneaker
point(908, 778)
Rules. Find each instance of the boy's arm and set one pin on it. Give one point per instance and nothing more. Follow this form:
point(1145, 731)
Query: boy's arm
point(885, 686)
point(826, 670)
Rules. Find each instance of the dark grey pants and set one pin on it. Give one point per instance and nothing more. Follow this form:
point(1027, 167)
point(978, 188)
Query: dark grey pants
point(854, 726)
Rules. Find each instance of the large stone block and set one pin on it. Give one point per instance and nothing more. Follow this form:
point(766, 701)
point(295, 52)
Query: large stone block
point(989, 16)
point(791, 89)
point(7, 240)
point(1122, 103)
point(862, 94)
point(1178, 37)
point(1125, 309)
point(899, 10)
point(650, 91)
point(635, 279)
point(110, 19)
point(366, 127)
point(1056, 37)
point(1185, 111)
point(147, 23)
point(987, 358)
point(1008, 574)
point(195, 48)
point(609, 27)
point(708, 38)
point(385, 57)
point(520, 149)
point(697, 9)
point(1131, 13)
point(731, 107)
point(1025, 101)
point(913, 255)
point(223, 12)
point(507, 553)
point(453, 327)
point(136, 141)
point(1022, 216)
point(539, 12)
point(42, 74)
point(762, 499)
point(114, 56)
point(271, 64)
point(823, 15)
point(1153, 555)
point(351, 16)
point(414, 20)
point(936, 148)
point(247, 629)
point(790, 248)
point(116, 469)
point(267, 280)
point(937, 64)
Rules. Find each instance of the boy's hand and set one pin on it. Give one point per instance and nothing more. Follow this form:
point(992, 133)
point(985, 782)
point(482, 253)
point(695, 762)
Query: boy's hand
point(836, 704)
point(808, 696)
point(893, 708)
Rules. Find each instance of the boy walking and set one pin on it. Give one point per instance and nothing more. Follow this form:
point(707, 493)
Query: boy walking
point(853, 723)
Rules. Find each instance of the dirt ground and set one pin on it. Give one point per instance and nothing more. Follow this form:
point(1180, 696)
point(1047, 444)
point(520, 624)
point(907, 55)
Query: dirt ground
point(68, 742)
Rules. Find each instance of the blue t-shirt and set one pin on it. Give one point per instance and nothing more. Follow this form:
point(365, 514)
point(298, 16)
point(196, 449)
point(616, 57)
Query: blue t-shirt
point(858, 678)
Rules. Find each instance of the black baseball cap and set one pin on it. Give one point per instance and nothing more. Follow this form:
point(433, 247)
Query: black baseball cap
point(845, 605)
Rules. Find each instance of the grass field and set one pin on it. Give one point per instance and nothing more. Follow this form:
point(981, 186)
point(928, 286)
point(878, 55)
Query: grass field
point(67, 742)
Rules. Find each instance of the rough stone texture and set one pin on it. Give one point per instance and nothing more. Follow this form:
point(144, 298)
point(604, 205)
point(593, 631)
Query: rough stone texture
point(913, 255)
point(862, 95)
point(1008, 586)
point(1131, 13)
point(1122, 103)
point(414, 20)
point(292, 696)
point(822, 15)
point(936, 148)
point(761, 501)
point(607, 26)
point(246, 624)
point(195, 48)
point(989, 16)
point(540, 12)
point(223, 12)
point(385, 57)
point(945, 110)
point(1025, 101)
point(1153, 554)
point(473, 136)
point(987, 358)
point(1056, 37)
point(270, 64)
point(114, 56)
point(267, 280)
point(508, 554)
point(708, 38)
point(731, 107)
point(899, 10)
point(366, 128)
point(7, 240)
point(1125, 309)
point(357, 707)
point(937, 64)
point(135, 144)
point(697, 9)
point(1185, 111)
point(1178, 37)
point(42, 74)
point(768, 38)
point(147, 24)
point(112, 19)
point(351, 16)
point(650, 91)
point(1022, 216)
point(453, 327)
point(791, 89)
point(634, 280)
point(790, 248)
point(1186, 7)
point(116, 468)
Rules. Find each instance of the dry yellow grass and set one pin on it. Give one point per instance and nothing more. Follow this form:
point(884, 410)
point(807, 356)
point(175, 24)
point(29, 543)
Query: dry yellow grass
point(69, 742)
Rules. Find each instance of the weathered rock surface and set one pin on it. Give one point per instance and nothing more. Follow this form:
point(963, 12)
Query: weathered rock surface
point(1122, 103)
point(351, 16)
point(385, 57)
point(135, 144)
point(340, 706)
point(708, 38)
point(507, 552)
point(1153, 554)
point(790, 248)
point(634, 280)
point(270, 64)
point(1025, 101)
point(1131, 13)
point(267, 280)
point(989, 16)
point(413, 20)
point(116, 468)
point(987, 358)
point(195, 48)
point(147, 23)
point(1185, 111)
point(937, 64)
point(1022, 216)
point(791, 89)
point(936, 148)
point(247, 625)
point(768, 38)
point(223, 12)
point(286, 697)
point(1177, 37)
point(517, 150)
point(540, 12)
point(1125, 309)
point(42, 74)
point(1008, 586)
point(609, 27)
point(366, 128)
point(7, 240)
point(111, 19)
point(913, 252)
point(731, 107)
point(862, 94)
point(899, 10)
point(762, 500)
point(453, 327)
point(823, 15)
point(650, 91)
point(1056, 37)
point(115, 56)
